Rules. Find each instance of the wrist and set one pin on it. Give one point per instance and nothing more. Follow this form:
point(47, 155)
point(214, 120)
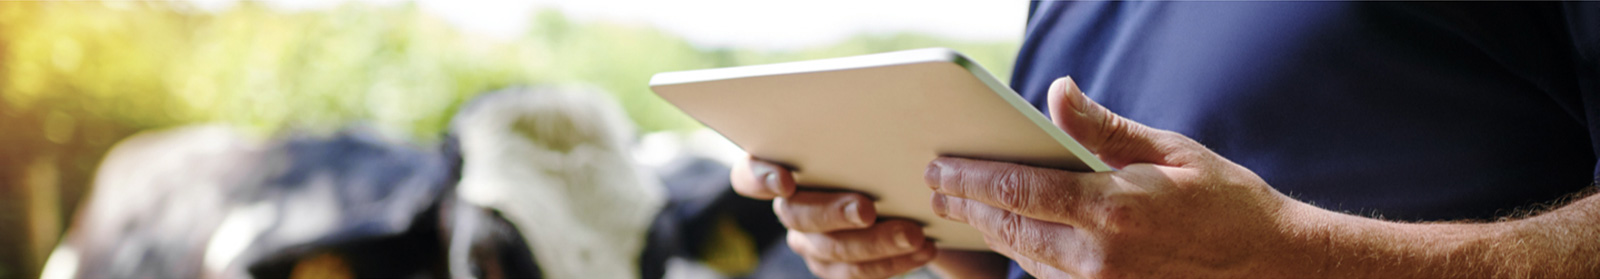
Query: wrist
point(1312, 238)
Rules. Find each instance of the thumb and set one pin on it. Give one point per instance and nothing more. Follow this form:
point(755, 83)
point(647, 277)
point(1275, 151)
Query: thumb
point(1118, 141)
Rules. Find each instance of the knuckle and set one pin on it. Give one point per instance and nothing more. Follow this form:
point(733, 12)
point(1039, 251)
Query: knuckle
point(835, 249)
point(1179, 148)
point(875, 242)
point(796, 220)
point(1112, 135)
point(1010, 228)
point(1010, 191)
point(804, 224)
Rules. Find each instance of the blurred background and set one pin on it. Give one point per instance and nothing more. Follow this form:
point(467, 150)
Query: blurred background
point(77, 78)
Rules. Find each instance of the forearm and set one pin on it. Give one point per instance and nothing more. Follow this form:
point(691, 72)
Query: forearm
point(1563, 243)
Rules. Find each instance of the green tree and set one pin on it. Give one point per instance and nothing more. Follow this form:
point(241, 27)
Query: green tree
point(75, 77)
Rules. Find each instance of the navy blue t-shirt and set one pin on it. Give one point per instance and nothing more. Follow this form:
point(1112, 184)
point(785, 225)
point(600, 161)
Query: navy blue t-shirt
point(1409, 111)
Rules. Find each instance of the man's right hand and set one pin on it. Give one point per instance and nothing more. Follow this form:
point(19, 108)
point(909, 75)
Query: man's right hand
point(836, 232)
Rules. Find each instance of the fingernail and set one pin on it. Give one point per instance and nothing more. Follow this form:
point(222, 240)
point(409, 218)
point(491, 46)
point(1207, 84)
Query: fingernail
point(773, 183)
point(1064, 85)
point(1080, 99)
point(932, 175)
point(901, 240)
point(938, 205)
point(852, 211)
point(922, 256)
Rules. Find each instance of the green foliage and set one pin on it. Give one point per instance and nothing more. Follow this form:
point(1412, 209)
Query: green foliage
point(75, 77)
point(152, 64)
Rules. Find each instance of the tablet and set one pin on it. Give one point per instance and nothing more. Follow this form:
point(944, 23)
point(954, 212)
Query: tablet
point(872, 123)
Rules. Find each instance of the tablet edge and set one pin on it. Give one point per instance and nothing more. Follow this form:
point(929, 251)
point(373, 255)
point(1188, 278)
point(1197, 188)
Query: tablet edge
point(1015, 100)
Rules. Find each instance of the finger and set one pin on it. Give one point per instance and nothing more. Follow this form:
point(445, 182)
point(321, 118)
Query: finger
point(883, 240)
point(1117, 140)
point(1041, 193)
point(761, 180)
point(882, 268)
point(1027, 237)
point(813, 211)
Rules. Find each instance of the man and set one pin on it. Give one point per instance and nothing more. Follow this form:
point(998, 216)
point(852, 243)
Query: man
point(1246, 129)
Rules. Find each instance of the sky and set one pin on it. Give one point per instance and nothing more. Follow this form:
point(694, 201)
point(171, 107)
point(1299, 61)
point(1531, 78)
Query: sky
point(758, 24)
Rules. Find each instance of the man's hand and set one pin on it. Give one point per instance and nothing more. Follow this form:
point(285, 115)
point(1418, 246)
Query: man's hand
point(1176, 209)
point(1173, 209)
point(836, 232)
